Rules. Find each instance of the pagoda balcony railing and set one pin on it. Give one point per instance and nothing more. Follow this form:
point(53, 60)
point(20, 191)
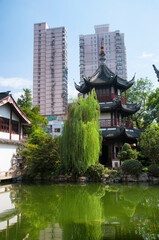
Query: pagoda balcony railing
point(108, 123)
point(110, 98)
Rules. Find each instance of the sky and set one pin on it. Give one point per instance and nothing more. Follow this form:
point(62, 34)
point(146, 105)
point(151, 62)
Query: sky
point(137, 19)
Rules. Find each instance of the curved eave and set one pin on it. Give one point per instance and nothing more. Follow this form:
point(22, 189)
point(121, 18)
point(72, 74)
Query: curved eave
point(82, 89)
point(9, 100)
point(156, 71)
point(130, 108)
point(110, 106)
point(121, 132)
point(124, 84)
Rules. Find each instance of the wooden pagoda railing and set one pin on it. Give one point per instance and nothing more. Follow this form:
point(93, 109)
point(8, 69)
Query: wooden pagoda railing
point(110, 98)
point(108, 123)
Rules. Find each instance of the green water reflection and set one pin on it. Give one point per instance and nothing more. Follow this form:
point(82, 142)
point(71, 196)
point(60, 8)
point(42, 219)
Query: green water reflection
point(83, 212)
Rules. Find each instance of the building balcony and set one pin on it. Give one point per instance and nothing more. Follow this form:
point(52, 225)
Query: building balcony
point(111, 123)
point(110, 98)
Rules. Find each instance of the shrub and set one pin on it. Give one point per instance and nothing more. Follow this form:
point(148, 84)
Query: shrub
point(154, 170)
point(41, 156)
point(145, 169)
point(133, 167)
point(94, 172)
point(127, 153)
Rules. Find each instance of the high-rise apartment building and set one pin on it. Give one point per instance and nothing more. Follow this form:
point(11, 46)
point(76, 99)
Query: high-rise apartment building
point(114, 47)
point(50, 69)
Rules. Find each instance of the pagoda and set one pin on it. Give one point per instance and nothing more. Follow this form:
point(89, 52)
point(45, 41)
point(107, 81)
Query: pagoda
point(115, 111)
point(156, 71)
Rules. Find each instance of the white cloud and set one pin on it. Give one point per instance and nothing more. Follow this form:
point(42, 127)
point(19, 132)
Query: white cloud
point(17, 95)
point(155, 60)
point(15, 83)
point(146, 55)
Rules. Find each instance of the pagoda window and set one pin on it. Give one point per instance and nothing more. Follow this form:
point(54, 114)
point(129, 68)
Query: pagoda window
point(103, 91)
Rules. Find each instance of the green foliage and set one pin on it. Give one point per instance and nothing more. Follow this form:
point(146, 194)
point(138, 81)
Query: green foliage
point(143, 158)
point(132, 167)
point(25, 100)
point(94, 172)
point(127, 153)
point(149, 143)
point(153, 105)
point(80, 143)
point(139, 92)
point(33, 113)
point(145, 169)
point(154, 170)
point(41, 156)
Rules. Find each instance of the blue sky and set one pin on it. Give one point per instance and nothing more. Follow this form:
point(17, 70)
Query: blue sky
point(137, 19)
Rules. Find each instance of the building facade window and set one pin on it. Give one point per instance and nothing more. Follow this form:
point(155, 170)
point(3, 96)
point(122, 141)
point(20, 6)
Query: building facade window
point(57, 130)
point(15, 127)
point(4, 124)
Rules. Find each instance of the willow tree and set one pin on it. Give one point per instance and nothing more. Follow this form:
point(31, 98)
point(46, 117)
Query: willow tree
point(80, 142)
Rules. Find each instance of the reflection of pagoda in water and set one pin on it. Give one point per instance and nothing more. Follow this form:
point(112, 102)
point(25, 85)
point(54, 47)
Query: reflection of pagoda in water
point(111, 94)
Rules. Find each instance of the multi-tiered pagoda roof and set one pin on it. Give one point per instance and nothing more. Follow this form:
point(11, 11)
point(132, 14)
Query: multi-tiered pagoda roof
point(115, 111)
point(125, 109)
point(104, 77)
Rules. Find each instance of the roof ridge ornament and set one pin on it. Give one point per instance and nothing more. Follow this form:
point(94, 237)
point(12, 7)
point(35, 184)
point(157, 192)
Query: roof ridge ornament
point(156, 71)
point(102, 53)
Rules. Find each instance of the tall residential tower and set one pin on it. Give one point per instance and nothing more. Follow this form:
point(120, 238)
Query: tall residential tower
point(50, 70)
point(114, 48)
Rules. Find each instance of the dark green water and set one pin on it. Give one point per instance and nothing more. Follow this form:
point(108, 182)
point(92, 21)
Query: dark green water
point(79, 212)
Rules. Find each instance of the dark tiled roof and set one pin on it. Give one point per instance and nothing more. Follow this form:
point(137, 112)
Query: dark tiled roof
point(156, 71)
point(122, 108)
point(121, 132)
point(6, 97)
point(4, 94)
point(104, 77)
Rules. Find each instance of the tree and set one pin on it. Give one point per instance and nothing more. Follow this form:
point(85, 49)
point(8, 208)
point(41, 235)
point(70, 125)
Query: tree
point(127, 153)
point(25, 100)
point(153, 105)
point(41, 156)
point(139, 92)
point(80, 142)
point(33, 113)
point(149, 143)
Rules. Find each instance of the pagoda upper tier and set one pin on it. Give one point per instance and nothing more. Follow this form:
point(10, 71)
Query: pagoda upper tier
point(104, 77)
point(117, 105)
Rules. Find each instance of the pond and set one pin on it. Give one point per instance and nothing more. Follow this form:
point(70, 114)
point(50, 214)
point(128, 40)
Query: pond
point(80, 212)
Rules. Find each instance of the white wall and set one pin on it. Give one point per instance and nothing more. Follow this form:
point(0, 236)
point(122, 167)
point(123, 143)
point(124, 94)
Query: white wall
point(14, 117)
point(15, 136)
point(105, 116)
point(4, 135)
point(5, 111)
point(6, 153)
